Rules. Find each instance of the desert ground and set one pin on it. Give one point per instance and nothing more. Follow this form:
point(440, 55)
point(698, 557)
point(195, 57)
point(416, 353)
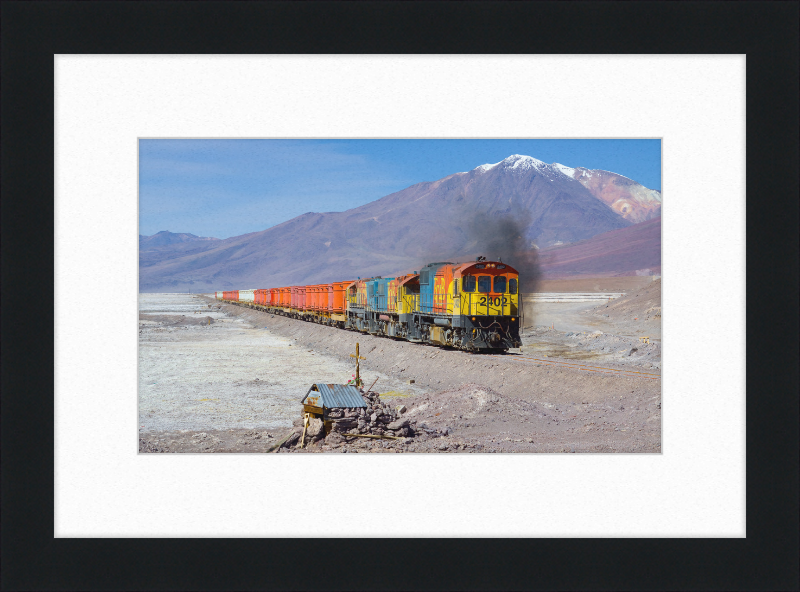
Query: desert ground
point(217, 377)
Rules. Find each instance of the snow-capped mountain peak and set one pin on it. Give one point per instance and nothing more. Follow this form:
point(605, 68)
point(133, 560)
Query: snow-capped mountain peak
point(518, 162)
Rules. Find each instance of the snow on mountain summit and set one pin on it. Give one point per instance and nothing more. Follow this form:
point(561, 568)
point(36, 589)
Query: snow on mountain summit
point(485, 167)
point(568, 171)
point(518, 162)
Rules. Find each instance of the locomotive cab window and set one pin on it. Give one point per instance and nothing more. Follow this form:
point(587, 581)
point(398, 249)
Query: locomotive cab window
point(512, 286)
point(455, 287)
point(500, 284)
point(469, 283)
point(484, 284)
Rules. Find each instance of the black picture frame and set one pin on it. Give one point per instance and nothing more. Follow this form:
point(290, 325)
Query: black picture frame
point(33, 32)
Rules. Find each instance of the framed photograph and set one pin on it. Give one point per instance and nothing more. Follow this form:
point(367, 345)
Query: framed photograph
point(442, 513)
point(514, 306)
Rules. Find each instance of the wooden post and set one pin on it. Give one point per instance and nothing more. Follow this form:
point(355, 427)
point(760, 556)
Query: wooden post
point(305, 426)
point(358, 365)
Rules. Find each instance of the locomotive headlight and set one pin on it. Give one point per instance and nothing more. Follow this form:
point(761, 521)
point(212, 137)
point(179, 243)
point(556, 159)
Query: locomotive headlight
point(473, 318)
point(512, 319)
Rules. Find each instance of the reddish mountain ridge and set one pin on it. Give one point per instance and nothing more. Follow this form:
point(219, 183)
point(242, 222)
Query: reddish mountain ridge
point(631, 200)
point(497, 210)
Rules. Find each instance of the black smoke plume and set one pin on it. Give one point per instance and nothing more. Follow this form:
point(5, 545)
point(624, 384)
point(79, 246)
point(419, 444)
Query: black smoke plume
point(504, 236)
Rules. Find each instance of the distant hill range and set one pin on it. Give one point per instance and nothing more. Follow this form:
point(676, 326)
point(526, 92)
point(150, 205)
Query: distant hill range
point(520, 209)
point(635, 250)
point(166, 238)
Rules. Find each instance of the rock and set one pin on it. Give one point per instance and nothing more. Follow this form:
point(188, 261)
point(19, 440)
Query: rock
point(399, 424)
point(344, 425)
point(314, 427)
point(445, 431)
point(402, 409)
point(373, 418)
point(411, 381)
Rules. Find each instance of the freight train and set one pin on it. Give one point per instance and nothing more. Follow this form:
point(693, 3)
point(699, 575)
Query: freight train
point(471, 306)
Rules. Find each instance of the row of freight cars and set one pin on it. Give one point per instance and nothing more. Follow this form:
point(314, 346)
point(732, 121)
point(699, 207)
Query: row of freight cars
point(473, 306)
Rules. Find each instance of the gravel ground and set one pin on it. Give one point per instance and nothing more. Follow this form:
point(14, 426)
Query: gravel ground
point(610, 333)
point(229, 374)
point(234, 386)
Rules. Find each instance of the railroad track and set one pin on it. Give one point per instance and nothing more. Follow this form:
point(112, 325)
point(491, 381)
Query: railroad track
point(585, 367)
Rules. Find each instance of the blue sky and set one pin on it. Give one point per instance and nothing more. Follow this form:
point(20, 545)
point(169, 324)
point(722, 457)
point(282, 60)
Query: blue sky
point(225, 188)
